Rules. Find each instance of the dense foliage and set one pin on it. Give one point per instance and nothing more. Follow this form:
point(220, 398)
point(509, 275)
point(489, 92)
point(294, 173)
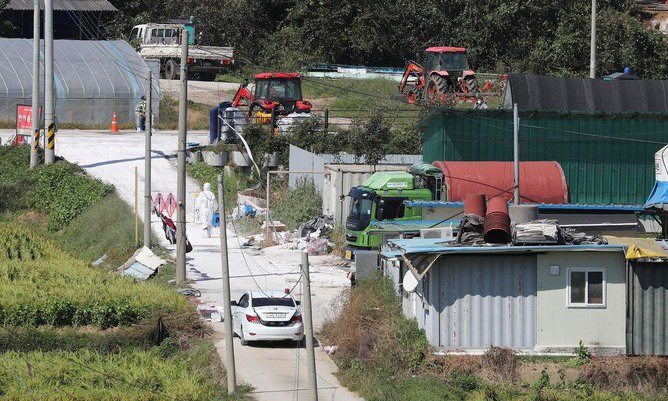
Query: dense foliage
point(539, 36)
point(298, 205)
point(60, 190)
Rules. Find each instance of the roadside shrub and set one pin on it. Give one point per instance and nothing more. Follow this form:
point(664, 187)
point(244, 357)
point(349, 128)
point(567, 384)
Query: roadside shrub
point(16, 180)
point(298, 205)
point(63, 192)
point(371, 329)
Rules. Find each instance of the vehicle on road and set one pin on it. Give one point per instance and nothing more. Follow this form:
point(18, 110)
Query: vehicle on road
point(267, 316)
point(162, 41)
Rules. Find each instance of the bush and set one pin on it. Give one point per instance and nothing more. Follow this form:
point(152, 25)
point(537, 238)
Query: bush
point(298, 205)
point(371, 329)
point(63, 192)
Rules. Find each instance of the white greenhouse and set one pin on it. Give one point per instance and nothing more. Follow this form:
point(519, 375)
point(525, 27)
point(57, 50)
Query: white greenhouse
point(93, 80)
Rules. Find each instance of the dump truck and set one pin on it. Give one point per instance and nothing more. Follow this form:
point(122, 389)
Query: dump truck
point(162, 41)
point(381, 199)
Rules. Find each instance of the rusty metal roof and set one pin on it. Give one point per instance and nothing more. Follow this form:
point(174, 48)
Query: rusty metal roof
point(64, 5)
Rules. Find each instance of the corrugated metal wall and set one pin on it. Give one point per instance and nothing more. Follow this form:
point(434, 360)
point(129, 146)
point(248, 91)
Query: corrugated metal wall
point(647, 325)
point(598, 167)
point(487, 300)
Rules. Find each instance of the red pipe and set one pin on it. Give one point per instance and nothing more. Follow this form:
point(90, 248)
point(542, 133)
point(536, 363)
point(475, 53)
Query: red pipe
point(496, 225)
point(475, 204)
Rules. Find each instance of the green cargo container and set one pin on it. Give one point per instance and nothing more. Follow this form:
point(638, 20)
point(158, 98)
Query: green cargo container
point(607, 158)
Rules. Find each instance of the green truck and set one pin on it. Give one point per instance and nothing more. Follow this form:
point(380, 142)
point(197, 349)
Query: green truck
point(381, 199)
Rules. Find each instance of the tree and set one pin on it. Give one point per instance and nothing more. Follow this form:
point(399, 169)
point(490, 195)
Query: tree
point(370, 138)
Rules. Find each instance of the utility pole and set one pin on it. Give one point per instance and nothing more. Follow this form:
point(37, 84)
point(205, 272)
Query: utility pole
point(266, 214)
point(227, 308)
point(35, 86)
point(592, 50)
point(148, 198)
point(516, 151)
point(307, 314)
point(49, 102)
point(181, 177)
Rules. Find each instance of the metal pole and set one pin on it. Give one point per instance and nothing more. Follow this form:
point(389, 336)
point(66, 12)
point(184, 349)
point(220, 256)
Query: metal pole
point(49, 102)
point(307, 314)
point(266, 213)
point(181, 177)
point(227, 308)
point(35, 86)
point(592, 50)
point(136, 206)
point(516, 152)
point(148, 199)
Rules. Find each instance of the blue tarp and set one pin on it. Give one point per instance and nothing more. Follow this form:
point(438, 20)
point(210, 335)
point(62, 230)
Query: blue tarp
point(659, 195)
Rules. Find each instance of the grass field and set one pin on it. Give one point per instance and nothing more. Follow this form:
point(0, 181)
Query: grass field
point(71, 331)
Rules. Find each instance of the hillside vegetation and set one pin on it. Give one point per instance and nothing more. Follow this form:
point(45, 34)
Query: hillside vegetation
point(72, 331)
point(538, 36)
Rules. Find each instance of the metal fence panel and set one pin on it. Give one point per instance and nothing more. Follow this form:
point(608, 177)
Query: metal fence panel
point(487, 300)
point(647, 309)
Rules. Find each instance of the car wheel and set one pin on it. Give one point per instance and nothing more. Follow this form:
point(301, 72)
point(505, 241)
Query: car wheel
point(171, 70)
point(241, 336)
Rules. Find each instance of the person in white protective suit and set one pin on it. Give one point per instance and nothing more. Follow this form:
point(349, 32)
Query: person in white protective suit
point(206, 202)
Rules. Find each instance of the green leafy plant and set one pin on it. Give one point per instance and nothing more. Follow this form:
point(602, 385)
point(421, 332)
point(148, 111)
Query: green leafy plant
point(298, 205)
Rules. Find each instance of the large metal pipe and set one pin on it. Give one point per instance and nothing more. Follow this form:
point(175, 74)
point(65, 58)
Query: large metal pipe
point(35, 86)
point(181, 164)
point(49, 101)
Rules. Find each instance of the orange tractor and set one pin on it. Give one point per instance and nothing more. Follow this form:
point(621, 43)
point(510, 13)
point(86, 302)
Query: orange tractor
point(446, 72)
point(275, 94)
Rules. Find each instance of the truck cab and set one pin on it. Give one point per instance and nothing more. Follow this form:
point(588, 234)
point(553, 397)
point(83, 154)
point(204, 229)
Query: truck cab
point(380, 199)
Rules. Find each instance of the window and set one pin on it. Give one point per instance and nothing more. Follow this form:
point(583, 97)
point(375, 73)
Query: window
point(287, 301)
point(390, 208)
point(586, 287)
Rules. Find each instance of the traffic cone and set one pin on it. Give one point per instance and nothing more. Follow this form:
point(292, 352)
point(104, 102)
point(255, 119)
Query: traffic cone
point(114, 124)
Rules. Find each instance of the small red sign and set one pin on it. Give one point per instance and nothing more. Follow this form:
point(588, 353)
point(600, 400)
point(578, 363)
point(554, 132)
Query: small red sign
point(24, 123)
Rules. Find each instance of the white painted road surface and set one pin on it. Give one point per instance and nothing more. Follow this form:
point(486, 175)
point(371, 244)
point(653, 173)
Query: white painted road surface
point(277, 372)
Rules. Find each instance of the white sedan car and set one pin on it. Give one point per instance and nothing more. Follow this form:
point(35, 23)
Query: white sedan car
point(267, 316)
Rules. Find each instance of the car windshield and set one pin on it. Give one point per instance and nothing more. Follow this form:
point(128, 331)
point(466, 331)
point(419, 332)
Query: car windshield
point(286, 301)
point(278, 89)
point(447, 61)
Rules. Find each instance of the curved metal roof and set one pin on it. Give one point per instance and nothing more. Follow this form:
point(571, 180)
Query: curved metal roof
point(64, 5)
point(90, 77)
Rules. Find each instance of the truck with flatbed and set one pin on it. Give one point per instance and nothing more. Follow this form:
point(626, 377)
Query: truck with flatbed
point(162, 41)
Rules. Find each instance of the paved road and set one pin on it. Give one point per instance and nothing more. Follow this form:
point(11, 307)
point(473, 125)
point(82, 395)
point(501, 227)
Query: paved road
point(274, 371)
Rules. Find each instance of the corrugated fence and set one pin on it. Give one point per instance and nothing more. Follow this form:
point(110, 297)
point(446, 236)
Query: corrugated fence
point(607, 159)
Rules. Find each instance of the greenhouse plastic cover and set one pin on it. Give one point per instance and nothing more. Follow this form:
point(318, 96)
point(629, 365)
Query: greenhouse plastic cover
point(92, 80)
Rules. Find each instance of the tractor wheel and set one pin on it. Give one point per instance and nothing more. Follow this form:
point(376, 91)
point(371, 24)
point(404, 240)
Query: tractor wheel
point(437, 89)
point(171, 69)
point(472, 84)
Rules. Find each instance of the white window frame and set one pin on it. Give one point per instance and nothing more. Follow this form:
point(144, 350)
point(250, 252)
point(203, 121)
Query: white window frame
point(586, 304)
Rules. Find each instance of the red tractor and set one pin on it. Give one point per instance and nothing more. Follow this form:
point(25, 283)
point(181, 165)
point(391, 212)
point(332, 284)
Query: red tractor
point(274, 94)
point(446, 71)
